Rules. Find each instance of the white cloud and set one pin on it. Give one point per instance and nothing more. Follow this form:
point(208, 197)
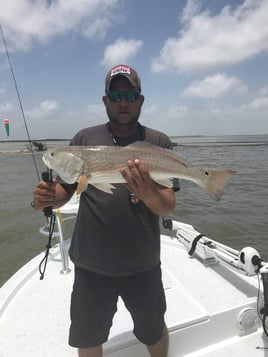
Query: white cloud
point(214, 119)
point(259, 103)
point(166, 118)
point(148, 111)
point(212, 41)
point(263, 91)
point(214, 87)
point(176, 111)
point(97, 29)
point(121, 51)
point(49, 105)
point(97, 113)
point(208, 120)
point(45, 109)
point(25, 21)
point(6, 107)
point(192, 8)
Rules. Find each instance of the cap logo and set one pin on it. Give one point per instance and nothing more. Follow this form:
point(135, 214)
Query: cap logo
point(120, 70)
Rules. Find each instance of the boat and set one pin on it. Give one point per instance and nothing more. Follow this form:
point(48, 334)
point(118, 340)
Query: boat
point(216, 299)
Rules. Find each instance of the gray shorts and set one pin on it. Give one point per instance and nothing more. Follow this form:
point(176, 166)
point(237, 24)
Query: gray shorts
point(94, 303)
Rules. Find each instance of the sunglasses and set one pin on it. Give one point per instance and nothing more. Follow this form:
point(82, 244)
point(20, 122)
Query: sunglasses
point(131, 96)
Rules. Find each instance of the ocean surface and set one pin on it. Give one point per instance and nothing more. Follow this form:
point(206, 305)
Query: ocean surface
point(240, 219)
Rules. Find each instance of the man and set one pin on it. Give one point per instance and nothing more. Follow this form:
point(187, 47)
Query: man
point(116, 241)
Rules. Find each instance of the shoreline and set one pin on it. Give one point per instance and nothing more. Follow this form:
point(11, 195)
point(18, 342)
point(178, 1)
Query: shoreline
point(8, 152)
point(174, 145)
point(33, 140)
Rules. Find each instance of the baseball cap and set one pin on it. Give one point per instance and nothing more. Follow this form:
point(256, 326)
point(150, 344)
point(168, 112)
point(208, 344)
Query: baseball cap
point(122, 70)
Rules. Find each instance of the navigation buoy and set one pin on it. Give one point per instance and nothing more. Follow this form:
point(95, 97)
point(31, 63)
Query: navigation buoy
point(6, 123)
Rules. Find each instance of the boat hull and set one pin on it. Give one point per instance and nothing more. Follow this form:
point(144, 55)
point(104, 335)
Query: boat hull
point(204, 305)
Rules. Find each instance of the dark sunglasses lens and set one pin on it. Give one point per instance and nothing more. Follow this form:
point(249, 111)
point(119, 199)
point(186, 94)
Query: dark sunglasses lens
point(132, 96)
point(114, 96)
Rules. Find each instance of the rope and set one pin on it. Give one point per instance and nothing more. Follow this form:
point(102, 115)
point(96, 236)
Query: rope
point(43, 264)
point(194, 244)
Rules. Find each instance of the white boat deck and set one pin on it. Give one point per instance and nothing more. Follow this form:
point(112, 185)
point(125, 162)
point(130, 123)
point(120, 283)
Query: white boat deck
point(203, 306)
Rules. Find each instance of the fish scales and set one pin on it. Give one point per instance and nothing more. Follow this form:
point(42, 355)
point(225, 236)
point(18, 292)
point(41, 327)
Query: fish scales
point(100, 166)
point(112, 159)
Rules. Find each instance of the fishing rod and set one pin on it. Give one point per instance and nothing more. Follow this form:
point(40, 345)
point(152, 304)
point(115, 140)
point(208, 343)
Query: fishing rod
point(20, 102)
point(46, 176)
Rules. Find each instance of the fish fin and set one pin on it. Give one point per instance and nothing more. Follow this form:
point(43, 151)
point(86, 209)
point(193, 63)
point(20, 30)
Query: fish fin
point(145, 145)
point(105, 187)
point(214, 182)
point(166, 183)
point(82, 184)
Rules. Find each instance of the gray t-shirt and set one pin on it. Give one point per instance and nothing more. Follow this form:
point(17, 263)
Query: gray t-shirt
point(112, 236)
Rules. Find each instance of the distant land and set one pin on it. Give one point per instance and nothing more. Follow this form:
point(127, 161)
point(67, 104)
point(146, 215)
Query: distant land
point(9, 140)
point(25, 140)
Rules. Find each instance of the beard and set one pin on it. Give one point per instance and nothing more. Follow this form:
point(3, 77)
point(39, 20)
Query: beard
point(116, 120)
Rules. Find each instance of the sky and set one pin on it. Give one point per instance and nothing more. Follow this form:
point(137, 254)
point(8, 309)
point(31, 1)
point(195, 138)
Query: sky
point(203, 64)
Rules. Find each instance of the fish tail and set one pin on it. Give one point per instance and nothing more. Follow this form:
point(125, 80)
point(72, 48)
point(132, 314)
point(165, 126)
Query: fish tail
point(213, 181)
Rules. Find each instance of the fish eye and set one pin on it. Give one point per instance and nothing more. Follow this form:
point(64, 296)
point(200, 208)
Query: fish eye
point(52, 154)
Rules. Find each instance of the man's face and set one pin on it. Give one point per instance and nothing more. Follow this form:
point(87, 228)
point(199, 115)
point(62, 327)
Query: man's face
point(123, 112)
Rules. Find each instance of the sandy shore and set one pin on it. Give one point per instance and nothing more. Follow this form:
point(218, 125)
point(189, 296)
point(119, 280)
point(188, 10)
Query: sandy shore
point(8, 152)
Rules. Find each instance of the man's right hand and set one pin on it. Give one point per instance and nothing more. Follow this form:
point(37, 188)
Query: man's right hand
point(44, 195)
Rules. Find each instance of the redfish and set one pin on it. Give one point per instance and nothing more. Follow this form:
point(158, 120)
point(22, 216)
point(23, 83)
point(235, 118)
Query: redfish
point(100, 166)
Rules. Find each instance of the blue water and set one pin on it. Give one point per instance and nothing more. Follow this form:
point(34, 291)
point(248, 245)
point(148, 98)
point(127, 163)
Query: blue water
point(239, 219)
